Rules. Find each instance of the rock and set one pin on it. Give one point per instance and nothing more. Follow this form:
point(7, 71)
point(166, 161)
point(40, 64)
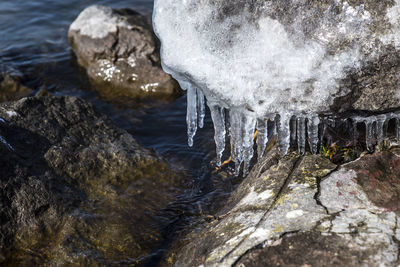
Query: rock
point(121, 54)
point(304, 211)
point(375, 87)
point(289, 251)
point(76, 189)
point(11, 88)
point(371, 181)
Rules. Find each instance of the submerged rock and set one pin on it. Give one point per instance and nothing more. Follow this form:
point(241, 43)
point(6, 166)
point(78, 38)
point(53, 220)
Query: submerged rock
point(121, 54)
point(76, 189)
point(304, 211)
point(11, 88)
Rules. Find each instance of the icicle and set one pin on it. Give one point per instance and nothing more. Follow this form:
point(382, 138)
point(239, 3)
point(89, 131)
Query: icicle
point(201, 109)
point(293, 131)
point(235, 118)
point(354, 132)
point(262, 137)
point(312, 129)
point(380, 121)
point(388, 117)
point(191, 114)
point(301, 135)
point(248, 128)
point(284, 132)
point(369, 133)
point(321, 137)
point(218, 118)
point(272, 126)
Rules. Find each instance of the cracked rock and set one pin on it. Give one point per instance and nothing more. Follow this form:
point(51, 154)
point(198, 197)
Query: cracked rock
point(278, 196)
point(305, 211)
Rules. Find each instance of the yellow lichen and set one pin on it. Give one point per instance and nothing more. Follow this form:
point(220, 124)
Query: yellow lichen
point(170, 259)
point(278, 228)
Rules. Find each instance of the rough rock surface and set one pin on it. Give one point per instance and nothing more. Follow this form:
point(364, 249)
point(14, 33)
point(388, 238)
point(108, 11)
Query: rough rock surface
point(374, 87)
point(120, 52)
point(75, 189)
point(11, 88)
point(305, 211)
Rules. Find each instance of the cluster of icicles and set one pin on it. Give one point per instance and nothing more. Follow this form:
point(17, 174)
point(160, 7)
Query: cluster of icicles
point(290, 128)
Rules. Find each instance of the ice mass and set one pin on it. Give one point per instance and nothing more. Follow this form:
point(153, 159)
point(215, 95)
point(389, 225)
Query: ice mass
point(270, 66)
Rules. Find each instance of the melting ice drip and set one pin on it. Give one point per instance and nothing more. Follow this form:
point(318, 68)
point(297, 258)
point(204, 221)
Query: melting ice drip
point(261, 68)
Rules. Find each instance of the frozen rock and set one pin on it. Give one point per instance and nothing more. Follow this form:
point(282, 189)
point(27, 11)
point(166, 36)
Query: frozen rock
point(259, 61)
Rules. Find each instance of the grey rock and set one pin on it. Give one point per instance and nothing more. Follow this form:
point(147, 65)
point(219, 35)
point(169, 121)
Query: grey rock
point(276, 197)
point(121, 54)
point(321, 250)
point(371, 181)
point(304, 211)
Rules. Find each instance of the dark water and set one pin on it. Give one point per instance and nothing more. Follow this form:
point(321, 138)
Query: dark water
point(33, 44)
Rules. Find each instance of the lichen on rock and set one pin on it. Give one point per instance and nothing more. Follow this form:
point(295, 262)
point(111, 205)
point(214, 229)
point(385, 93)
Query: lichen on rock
point(316, 213)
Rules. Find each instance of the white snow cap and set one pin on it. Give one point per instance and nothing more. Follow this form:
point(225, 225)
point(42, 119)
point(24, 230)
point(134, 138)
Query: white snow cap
point(98, 21)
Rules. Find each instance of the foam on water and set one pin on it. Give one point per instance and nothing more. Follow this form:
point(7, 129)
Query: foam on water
point(254, 67)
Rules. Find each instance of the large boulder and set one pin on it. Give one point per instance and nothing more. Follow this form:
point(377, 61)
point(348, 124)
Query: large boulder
point(304, 211)
point(75, 188)
point(121, 54)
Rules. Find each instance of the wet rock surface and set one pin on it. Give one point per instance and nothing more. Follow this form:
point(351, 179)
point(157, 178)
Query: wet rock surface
point(304, 211)
point(76, 189)
point(11, 88)
point(120, 53)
